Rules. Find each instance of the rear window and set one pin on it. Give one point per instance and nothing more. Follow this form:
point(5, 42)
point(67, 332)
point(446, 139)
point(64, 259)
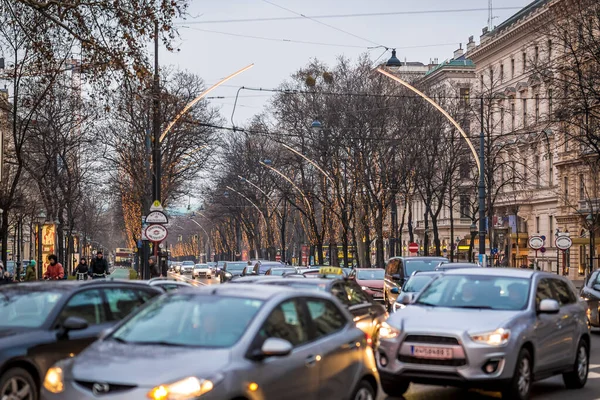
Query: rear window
point(413, 266)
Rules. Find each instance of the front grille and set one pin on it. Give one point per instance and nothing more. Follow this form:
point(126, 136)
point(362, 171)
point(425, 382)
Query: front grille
point(427, 361)
point(112, 387)
point(432, 339)
point(376, 289)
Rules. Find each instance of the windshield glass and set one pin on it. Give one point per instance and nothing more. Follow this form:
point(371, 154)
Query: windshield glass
point(420, 265)
point(476, 291)
point(190, 320)
point(297, 285)
point(26, 309)
point(281, 271)
point(370, 275)
point(236, 266)
point(416, 283)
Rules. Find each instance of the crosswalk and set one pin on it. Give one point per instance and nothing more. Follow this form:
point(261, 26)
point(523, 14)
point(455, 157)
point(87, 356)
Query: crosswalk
point(594, 372)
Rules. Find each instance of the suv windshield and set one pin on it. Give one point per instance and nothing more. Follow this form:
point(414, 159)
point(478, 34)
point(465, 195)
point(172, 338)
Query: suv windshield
point(420, 265)
point(417, 283)
point(26, 309)
point(236, 266)
point(476, 291)
point(190, 320)
point(370, 275)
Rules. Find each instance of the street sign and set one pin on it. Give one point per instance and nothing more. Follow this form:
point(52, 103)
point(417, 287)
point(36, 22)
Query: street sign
point(413, 247)
point(156, 233)
point(536, 242)
point(563, 243)
point(157, 217)
point(156, 206)
point(543, 250)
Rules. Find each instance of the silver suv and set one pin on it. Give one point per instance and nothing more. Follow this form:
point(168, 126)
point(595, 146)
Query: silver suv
point(489, 328)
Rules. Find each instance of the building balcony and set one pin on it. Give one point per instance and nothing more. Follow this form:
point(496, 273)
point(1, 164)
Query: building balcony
point(589, 206)
point(445, 223)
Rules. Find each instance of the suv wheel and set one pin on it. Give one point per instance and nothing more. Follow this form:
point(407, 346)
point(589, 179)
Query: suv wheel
point(577, 378)
point(364, 391)
point(520, 385)
point(394, 388)
point(17, 383)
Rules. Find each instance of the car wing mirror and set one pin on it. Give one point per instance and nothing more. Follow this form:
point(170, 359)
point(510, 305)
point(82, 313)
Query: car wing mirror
point(548, 306)
point(275, 347)
point(406, 299)
point(74, 324)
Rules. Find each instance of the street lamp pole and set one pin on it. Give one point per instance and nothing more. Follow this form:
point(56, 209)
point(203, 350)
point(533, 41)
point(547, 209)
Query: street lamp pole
point(156, 154)
point(482, 228)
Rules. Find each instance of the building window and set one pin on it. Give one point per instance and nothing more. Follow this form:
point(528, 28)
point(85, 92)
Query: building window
point(566, 144)
point(464, 206)
point(481, 81)
point(513, 175)
point(550, 168)
point(537, 108)
point(465, 94)
point(502, 120)
point(550, 226)
point(512, 68)
point(581, 187)
point(512, 116)
point(537, 224)
point(525, 168)
point(464, 170)
point(549, 50)
point(524, 112)
point(501, 72)
point(550, 103)
point(536, 56)
point(524, 61)
point(537, 170)
point(566, 188)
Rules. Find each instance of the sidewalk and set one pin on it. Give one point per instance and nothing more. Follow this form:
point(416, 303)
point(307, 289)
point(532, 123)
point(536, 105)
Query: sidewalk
point(120, 273)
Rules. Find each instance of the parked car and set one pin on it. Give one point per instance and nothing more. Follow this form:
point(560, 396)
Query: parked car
point(43, 322)
point(399, 269)
point(253, 278)
point(177, 266)
point(281, 271)
point(371, 281)
point(187, 268)
point(590, 293)
point(491, 328)
point(225, 343)
point(202, 271)
point(367, 314)
point(169, 285)
point(261, 267)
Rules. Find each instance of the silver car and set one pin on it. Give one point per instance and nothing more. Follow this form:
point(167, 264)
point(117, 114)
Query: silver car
point(490, 328)
point(263, 342)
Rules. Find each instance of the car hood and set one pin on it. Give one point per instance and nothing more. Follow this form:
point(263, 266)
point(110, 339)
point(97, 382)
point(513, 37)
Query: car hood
point(372, 284)
point(126, 363)
point(416, 318)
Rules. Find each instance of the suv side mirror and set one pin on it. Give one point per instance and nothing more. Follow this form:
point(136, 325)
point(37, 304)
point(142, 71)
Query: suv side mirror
point(74, 324)
point(548, 306)
point(273, 347)
point(406, 299)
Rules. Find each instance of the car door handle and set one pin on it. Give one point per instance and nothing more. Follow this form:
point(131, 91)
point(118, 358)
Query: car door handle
point(311, 361)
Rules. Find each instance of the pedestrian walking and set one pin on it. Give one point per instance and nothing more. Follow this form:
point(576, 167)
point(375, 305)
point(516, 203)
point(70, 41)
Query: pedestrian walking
point(82, 270)
point(99, 266)
point(153, 267)
point(4, 275)
point(55, 270)
point(30, 272)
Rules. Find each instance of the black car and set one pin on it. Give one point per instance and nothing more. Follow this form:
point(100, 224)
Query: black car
point(280, 271)
point(367, 314)
point(399, 269)
point(231, 269)
point(590, 293)
point(43, 322)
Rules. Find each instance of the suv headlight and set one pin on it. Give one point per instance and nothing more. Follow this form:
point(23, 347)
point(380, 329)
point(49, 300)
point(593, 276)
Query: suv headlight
point(54, 382)
point(188, 388)
point(499, 337)
point(386, 331)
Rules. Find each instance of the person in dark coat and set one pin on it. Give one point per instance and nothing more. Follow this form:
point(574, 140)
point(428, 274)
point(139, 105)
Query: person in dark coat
point(153, 267)
point(99, 266)
point(82, 268)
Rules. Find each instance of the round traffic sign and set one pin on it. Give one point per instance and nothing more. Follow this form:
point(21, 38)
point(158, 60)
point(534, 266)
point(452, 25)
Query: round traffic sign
point(543, 249)
point(563, 243)
point(413, 247)
point(156, 233)
point(536, 242)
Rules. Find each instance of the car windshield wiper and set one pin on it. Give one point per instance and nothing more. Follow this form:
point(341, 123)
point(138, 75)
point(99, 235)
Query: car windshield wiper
point(476, 307)
point(118, 339)
point(159, 343)
point(424, 303)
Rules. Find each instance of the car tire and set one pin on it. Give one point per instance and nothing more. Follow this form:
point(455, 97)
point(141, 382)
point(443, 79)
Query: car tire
point(395, 388)
point(577, 378)
point(23, 379)
point(364, 391)
point(520, 384)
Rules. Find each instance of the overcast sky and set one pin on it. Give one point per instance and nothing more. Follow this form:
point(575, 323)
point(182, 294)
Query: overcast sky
point(420, 34)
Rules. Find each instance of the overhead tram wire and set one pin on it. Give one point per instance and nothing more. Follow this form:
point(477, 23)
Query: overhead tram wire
point(331, 16)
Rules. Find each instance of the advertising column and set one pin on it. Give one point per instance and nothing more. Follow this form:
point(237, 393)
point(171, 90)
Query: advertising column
point(48, 244)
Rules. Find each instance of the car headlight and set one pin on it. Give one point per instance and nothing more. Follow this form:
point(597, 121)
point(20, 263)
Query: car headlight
point(498, 337)
point(364, 288)
point(53, 382)
point(584, 298)
point(386, 331)
point(188, 388)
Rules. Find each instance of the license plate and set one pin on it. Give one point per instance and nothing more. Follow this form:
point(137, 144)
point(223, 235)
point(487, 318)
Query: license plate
point(436, 353)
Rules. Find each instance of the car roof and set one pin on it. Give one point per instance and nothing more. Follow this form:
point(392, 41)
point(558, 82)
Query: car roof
point(421, 273)
point(290, 268)
point(258, 291)
point(368, 269)
point(508, 272)
point(315, 281)
point(253, 278)
point(417, 258)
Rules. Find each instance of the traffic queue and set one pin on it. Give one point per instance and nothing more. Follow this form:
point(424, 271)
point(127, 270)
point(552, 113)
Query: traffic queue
point(339, 334)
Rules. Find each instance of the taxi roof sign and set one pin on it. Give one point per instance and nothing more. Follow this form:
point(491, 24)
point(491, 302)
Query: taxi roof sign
point(331, 271)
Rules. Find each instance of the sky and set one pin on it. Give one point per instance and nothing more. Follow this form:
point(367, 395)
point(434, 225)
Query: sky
point(423, 31)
